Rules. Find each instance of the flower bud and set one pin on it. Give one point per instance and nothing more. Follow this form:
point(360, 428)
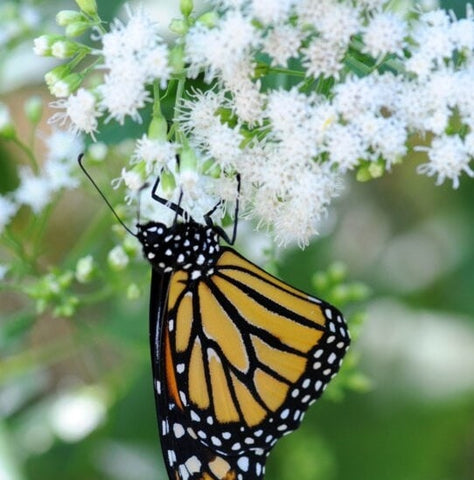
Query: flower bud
point(77, 28)
point(64, 49)
point(56, 74)
point(178, 26)
point(97, 151)
point(337, 272)
point(168, 183)
point(34, 109)
point(376, 169)
point(176, 59)
point(87, 6)
point(66, 17)
point(188, 160)
point(66, 86)
point(158, 128)
point(42, 45)
point(363, 174)
point(209, 19)
point(117, 258)
point(7, 129)
point(186, 7)
point(85, 269)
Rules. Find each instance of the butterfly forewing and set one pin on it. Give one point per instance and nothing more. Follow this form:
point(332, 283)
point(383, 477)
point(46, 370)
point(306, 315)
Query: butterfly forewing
point(244, 357)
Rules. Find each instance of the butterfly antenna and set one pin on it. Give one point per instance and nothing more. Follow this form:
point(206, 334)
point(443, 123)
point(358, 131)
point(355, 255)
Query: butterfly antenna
point(79, 160)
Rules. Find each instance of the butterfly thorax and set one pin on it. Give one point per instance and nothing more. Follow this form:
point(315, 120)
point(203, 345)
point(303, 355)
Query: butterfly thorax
point(187, 246)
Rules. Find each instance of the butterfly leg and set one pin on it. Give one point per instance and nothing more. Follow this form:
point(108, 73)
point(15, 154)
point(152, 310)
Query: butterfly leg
point(168, 203)
point(222, 232)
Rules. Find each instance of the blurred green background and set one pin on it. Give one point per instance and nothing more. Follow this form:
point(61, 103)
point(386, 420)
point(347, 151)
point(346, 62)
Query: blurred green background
point(76, 398)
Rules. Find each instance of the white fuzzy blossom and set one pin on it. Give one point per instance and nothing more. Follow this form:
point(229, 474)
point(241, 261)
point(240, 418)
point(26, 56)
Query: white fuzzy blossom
point(385, 34)
point(449, 158)
point(34, 191)
point(282, 43)
point(134, 55)
point(80, 111)
point(157, 154)
point(292, 95)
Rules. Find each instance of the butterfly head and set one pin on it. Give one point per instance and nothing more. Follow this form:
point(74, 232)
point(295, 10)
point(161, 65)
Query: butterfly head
point(189, 246)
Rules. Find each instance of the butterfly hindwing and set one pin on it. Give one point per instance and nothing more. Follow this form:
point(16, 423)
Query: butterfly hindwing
point(243, 355)
point(186, 457)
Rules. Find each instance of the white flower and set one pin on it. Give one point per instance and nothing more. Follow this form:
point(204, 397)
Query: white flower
point(323, 57)
point(131, 178)
point(156, 63)
point(218, 51)
point(469, 144)
point(63, 145)
point(271, 12)
point(385, 34)
point(3, 269)
point(199, 113)
point(448, 159)
point(7, 211)
point(298, 217)
point(74, 415)
point(463, 95)
point(248, 103)
point(282, 43)
point(335, 22)
point(124, 95)
point(155, 153)
point(223, 145)
point(135, 55)
point(97, 151)
point(287, 109)
point(390, 141)
point(345, 147)
point(34, 191)
point(60, 175)
point(432, 34)
point(41, 45)
point(5, 118)
point(84, 269)
point(80, 110)
point(462, 34)
point(117, 258)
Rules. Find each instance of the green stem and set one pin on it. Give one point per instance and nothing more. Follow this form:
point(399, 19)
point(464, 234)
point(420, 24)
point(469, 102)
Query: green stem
point(156, 100)
point(18, 249)
point(41, 224)
point(179, 96)
point(286, 71)
point(28, 152)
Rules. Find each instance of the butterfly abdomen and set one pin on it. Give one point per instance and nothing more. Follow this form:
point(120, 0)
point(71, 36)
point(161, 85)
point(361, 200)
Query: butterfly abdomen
point(188, 246)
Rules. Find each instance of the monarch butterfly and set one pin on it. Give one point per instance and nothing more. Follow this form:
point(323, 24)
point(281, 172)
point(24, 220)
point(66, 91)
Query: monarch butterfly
point(237, 355)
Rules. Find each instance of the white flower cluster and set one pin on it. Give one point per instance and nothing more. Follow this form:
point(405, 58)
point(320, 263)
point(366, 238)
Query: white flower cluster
point(36, 190)
point(133, 56)
point(300, 92)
